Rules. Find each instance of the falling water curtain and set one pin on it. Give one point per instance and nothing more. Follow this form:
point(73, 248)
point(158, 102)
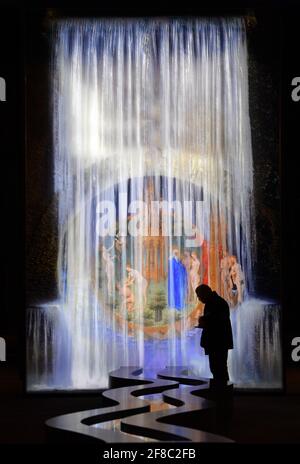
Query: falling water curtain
point(145, 110)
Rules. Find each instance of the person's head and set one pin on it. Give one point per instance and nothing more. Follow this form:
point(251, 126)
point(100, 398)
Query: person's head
point(203, 293)
point(233, 260)
point(176, 252)
point(128, 268)
point(194, 255)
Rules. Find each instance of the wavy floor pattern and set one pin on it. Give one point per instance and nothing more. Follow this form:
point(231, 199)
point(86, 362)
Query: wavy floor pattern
point(172, 407)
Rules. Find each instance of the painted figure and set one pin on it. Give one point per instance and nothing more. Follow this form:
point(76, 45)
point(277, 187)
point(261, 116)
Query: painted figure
point(119, 243)
point(177, 282)
point(127, 294)
point(141, 284)
point(187, 262)
point(199, 238)
point(109, 269)
point(195, 271)
point(204, 262)
point(238, 279)
point(225, 276)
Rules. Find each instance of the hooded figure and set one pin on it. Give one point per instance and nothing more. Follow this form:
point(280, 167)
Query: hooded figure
point(216, 338)
point(177, 282)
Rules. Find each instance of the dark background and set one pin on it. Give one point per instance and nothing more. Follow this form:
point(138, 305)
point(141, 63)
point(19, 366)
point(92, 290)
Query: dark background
point(27, 204)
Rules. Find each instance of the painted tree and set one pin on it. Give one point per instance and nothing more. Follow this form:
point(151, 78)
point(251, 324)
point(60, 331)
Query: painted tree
point(157, 304)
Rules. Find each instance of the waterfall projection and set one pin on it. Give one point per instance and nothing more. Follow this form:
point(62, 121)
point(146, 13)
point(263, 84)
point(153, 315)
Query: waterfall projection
point(153, 175)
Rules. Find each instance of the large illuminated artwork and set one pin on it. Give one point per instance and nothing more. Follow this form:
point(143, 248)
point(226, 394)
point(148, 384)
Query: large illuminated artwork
point(153, 175)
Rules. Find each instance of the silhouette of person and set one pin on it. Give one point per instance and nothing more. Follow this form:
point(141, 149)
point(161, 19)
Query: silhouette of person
point(216, 338)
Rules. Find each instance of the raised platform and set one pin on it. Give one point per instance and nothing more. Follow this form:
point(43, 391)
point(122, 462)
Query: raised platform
point(171, 407)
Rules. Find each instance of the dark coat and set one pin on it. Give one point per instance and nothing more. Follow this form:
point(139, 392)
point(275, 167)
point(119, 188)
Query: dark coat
point(217, 332)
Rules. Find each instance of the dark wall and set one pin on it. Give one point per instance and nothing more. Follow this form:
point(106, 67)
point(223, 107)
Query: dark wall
point(290, 181)
point(264, 54)
point(41, 234)
point(12, 181)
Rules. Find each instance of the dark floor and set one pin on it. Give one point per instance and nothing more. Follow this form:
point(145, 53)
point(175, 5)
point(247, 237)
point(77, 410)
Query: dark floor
point(257, 418)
